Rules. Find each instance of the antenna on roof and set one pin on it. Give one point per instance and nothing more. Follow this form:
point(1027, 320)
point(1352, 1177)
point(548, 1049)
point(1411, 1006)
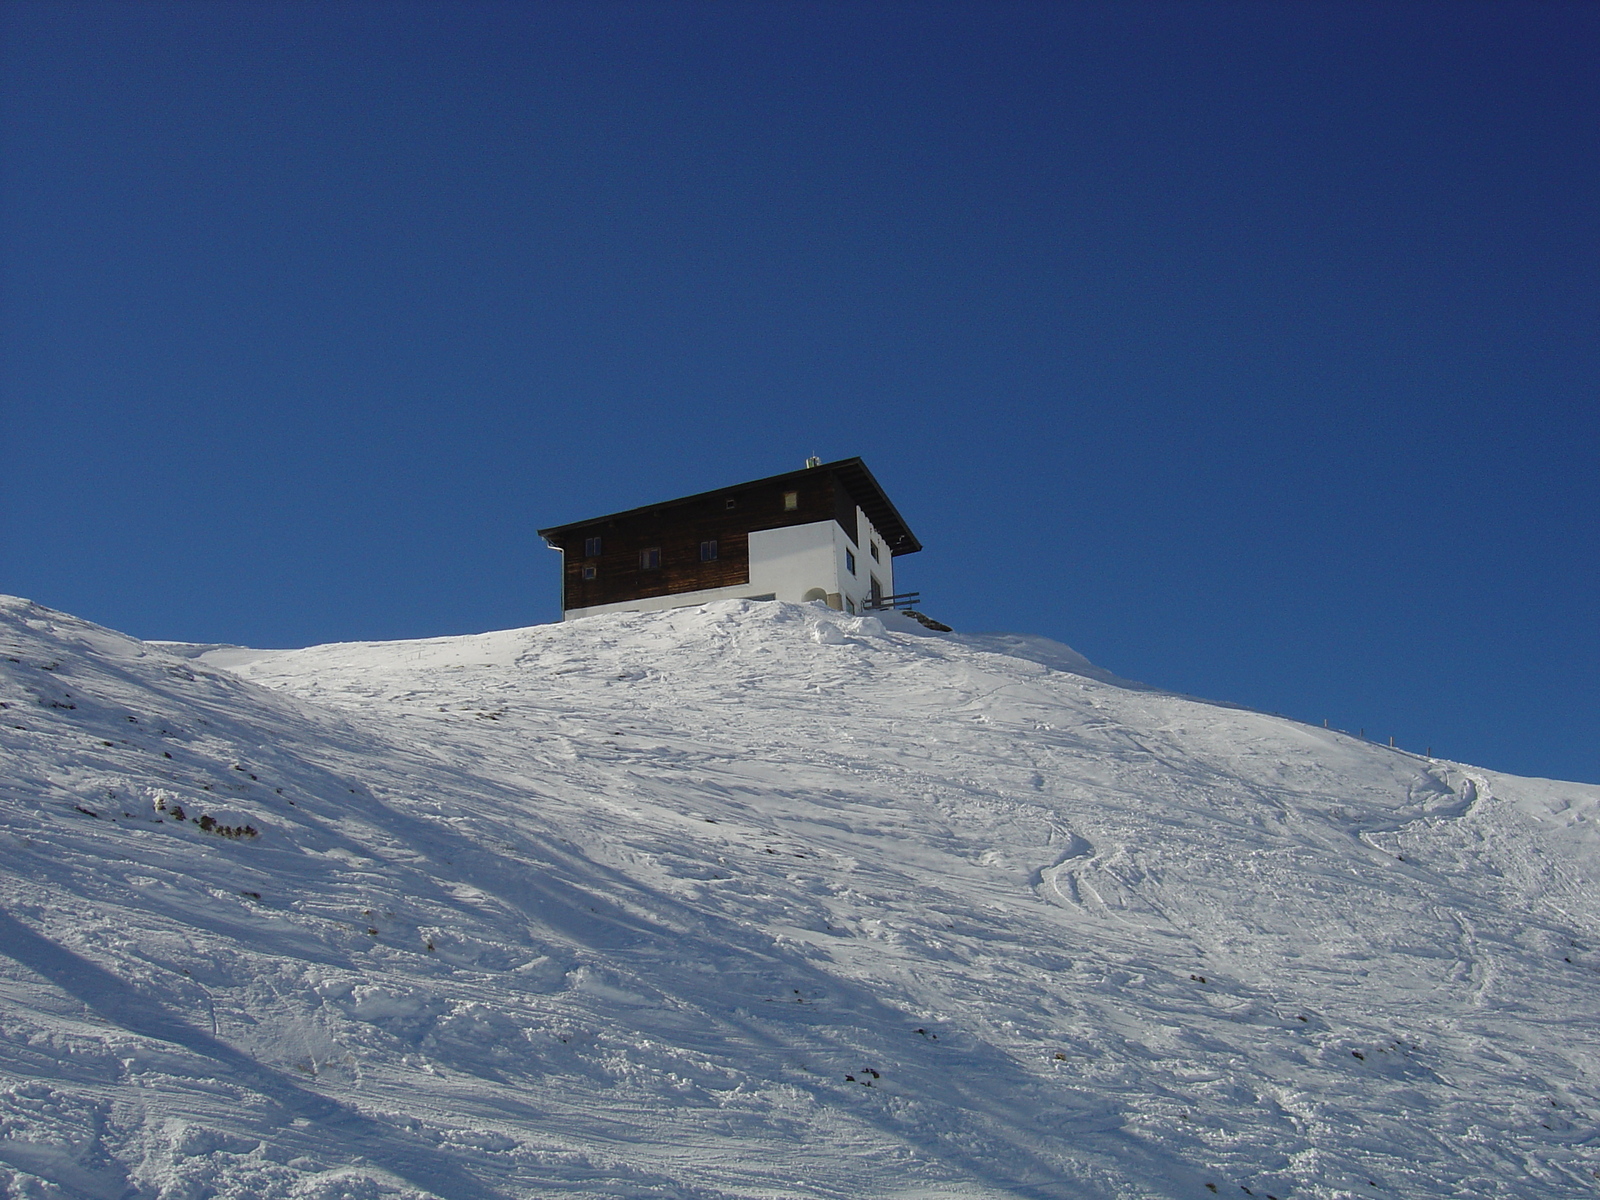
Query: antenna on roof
point(813, 461)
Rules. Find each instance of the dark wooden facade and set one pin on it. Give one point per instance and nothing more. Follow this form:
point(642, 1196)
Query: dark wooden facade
point(679, 528)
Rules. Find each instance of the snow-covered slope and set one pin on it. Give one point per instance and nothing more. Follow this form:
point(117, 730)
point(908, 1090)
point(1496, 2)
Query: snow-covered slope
point(758, 900)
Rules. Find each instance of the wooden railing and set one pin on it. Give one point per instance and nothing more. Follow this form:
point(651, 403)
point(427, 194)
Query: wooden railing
point(898, 602)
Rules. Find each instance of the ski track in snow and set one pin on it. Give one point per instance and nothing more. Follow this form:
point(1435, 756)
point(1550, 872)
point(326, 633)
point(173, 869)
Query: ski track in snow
point(759, 900)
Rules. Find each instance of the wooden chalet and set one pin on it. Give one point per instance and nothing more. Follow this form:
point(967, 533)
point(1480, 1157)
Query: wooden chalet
point(826, 533)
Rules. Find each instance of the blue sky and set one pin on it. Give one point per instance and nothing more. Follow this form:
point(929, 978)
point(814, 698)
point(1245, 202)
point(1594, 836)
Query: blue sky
point(1250, 349)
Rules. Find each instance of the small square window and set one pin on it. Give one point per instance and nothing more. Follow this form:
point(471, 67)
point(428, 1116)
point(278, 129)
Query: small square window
point(791, 501)
point(850, 561)
point(591, 547)
point(873, 546)
point(730, 502)
point(708, 551)
point(588, 571)
point(650, 560)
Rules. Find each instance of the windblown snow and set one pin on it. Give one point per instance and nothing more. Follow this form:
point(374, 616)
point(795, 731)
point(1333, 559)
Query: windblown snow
point(760, 900)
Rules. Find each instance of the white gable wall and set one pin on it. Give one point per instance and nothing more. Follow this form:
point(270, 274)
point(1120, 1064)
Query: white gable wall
point(866, 566)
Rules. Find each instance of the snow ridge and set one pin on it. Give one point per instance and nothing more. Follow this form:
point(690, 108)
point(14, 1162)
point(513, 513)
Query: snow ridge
point(759, 900)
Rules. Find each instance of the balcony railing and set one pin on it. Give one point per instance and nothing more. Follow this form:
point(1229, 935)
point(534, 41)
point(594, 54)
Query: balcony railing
point(899, 602)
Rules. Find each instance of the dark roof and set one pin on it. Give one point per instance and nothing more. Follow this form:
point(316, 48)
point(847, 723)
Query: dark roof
point(880, 510)
point(852, 473)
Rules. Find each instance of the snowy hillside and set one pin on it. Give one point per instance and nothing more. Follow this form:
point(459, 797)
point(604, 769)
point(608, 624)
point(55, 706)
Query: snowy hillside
point(759, 900)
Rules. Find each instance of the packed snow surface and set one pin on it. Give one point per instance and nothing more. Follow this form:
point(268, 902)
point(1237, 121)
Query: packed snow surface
point(759, 900)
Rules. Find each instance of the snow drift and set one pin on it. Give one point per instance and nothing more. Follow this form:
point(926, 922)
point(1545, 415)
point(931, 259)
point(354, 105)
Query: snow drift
point(758, 900)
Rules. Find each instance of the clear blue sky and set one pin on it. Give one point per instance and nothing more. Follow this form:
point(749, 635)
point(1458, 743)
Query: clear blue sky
point(1249, 348)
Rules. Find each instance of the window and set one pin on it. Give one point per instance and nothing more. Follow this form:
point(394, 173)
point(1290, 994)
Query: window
point(730, 502)
point(591, 547)
point(873, 546)
point(791, 501)
point(650, 560)
point(588, 570)
point(850, 606)
point(708, 551)
point(850, 561)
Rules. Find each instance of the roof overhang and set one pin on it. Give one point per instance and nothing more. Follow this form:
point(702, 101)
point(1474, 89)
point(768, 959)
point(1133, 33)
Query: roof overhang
point(852, 473)
point(875, 502)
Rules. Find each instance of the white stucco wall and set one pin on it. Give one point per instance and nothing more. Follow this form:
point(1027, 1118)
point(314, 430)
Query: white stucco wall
point(882, 567)
point(786, 564)
point(796, 559)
